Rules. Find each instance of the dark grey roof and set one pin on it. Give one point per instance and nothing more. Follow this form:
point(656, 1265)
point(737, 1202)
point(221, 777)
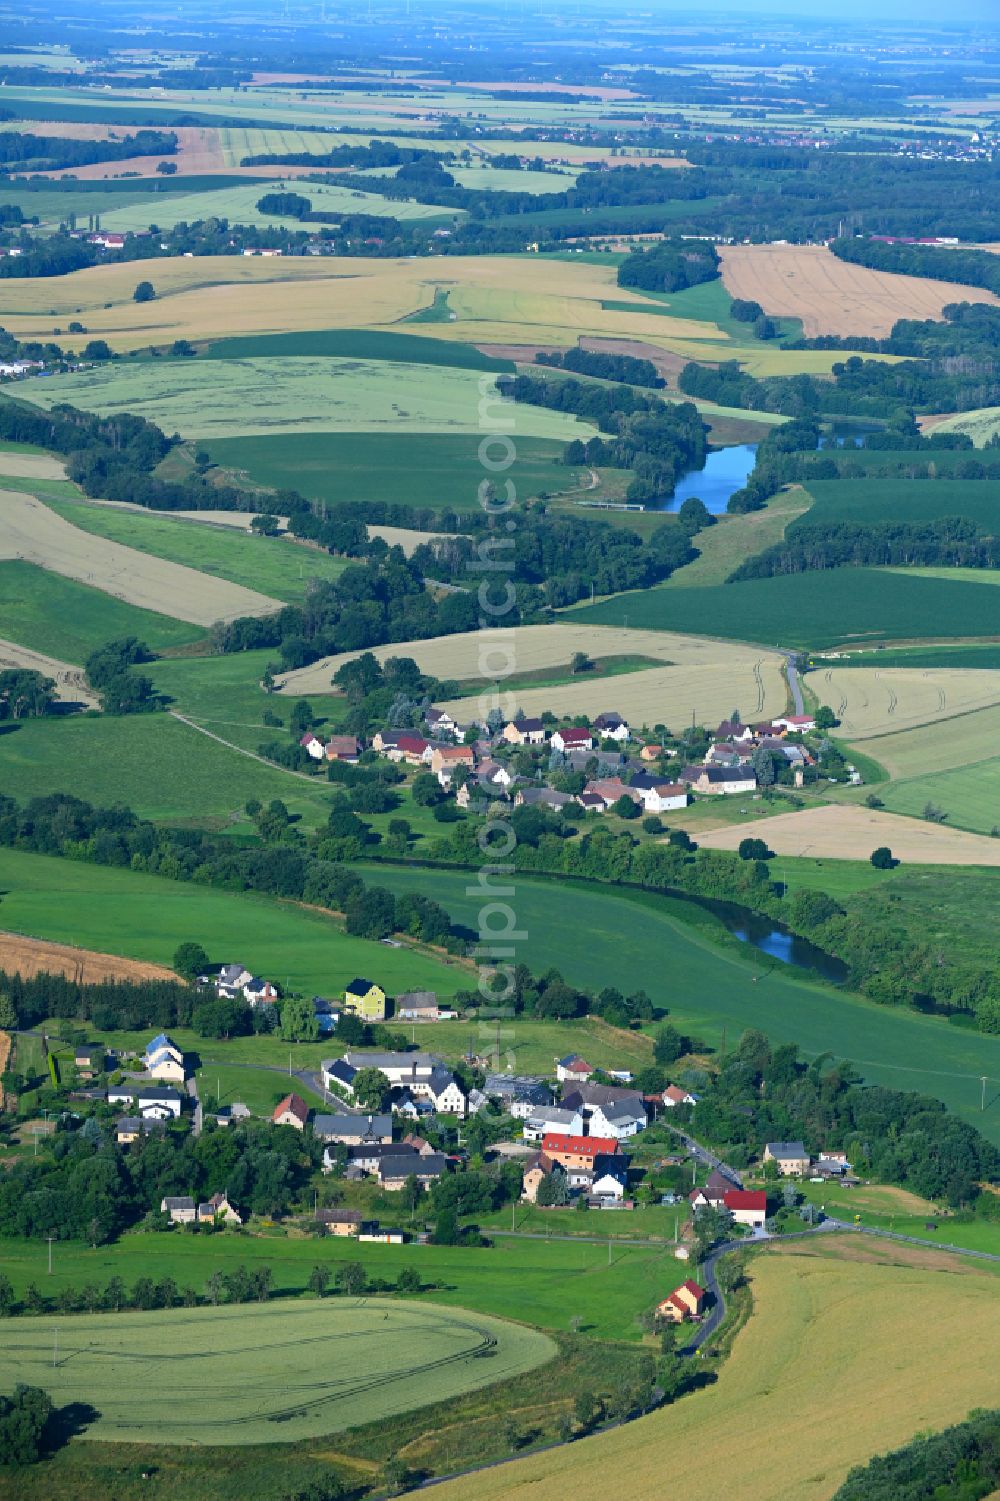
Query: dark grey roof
point(432, 1165)
point(367, 1127)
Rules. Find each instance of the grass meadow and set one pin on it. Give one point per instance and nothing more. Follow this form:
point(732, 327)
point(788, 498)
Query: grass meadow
point(224, 399)
point(714, 986)
point(871, 501)
point(146, 917)
point(64, 619)
point(238, 204)
point(162, 769)
point(432, 469)
point(272, 565)
point(265, 1373)
point(968, 795)
point(866, 1309)
point(811, 610)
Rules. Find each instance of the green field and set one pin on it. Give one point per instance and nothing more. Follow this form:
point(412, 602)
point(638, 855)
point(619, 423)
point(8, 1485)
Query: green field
point(970, 795)
point(255, 1375)
point(224, 694)
point(146, 917)
point(544, 1283)
point(157, 766)
point(68, 620)
point(964, 655)
point(225, 398)
point(708, 982)
point(840, 605)
point(723, 547)
point(871, 501)
point(400, 468)
point(238, 204)
point(358, 344)
point(272, 565)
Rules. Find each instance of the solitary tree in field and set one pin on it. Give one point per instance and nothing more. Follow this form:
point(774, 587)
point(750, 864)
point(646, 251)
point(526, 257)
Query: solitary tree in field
point(319, 1280)
point(580, 662)
point(825, 718)
point(144, 292)
point(882, 858)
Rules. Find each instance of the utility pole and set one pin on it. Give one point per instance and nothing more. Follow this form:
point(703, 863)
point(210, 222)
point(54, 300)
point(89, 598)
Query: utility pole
point(55, 1344)
point(982, 1102)
point(50, 1239)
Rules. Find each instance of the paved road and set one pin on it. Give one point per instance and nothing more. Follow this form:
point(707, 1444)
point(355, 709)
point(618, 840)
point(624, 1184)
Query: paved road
point(191, 1085)
point(702, 1154)
point(793, 683)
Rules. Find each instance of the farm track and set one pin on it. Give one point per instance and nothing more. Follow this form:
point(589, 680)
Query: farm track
point(251, 755)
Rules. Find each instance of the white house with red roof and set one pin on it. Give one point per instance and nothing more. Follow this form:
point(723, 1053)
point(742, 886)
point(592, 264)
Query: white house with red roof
point(572, 739)
point(797, 723)
point(747, 1206)
point(685, 1302)
point(573, 1069)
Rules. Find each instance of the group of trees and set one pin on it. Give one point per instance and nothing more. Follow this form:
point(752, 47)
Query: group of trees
point(669, 265)
point(766, 1093)
point(109, 673)
point(25, 694)
point(656, 441)
point(618, 367)
point(22, 151)
point(954, 541)
point(961, 1463)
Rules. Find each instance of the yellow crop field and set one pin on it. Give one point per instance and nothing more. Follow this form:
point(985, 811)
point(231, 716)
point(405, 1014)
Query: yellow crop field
point(832, 296)
point(937, 747)
point(846, 1355)
point(981, 425)
point(496, 299)
point(30, 466)
point(843, 831)
point(31, 533)
point(876, 702)
point(709, 678)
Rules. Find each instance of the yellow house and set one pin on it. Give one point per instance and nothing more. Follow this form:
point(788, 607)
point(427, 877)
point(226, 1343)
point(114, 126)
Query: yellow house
point(365, 999)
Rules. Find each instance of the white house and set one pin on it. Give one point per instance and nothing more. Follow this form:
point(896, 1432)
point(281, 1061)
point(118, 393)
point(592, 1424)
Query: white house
point(726, 781)
point(610, 1179)
point(573, 1069)
point(619, 1120)
point(572, 739)
point(674, 1095)
point(664, 797)
point(612, 727)
point(313, 745)
point(157, 1103)
point(182, 1210)
point(747, 1207)
point(796, 723)
point(548, 1118)
point(446, 1092)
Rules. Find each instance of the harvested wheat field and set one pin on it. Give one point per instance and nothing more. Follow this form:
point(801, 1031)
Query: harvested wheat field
point(71, 682)
point(887, 1371)
point(199, 153)
point(30, 466)
point(495, 299)
point(404, 537)
point(751, 681)
point(36, 956)
point(31, 533)
point(714, 672)
point(841, 831)
point(832, 296)
point(878, 702)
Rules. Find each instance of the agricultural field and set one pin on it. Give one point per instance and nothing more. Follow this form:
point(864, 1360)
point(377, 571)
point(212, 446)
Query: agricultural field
point(71, 682)
point(33, 533)
point(839, 606)
point(239, 206)
point(697, 674)
point(162, 768)
point(34, 956)
point(872, 501)
point(969, 796)
point(981, 425)
point(887, 1371)
point(830, 296)
point(280, 569)
point(358, 344)
point(146, 917)
point(262, 397)
point(66, 620)
point(847, 832)
point(24, 464)
point(886, 701)
point(714, 985)
point(418, 469)
point(265, 1372)
point(724, 546)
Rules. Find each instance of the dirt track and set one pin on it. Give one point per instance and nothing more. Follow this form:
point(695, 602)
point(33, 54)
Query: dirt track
point(832, 296)
point(71, 685)
point(35, 956)
point(30, 532)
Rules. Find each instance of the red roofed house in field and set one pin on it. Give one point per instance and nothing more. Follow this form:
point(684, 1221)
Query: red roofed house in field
point(747, 1206)
point(577, 1151)
point(685, 1302)
point(291, 1111)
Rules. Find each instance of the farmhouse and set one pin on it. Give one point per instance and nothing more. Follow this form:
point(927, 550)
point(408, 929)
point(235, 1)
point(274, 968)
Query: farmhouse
point(446, 759)
point(612, 727)
point(520, 1095)
point(130, 1127)
point(164, 1060)
point(342, 748)
point(156, 1103)
point(675, 1095)
point(572, 739)
point(546, 1118)
point(291, 1111)
point(618, 1120)
point(524, 732)
point(417, 1006)
point(664, 797)
point(577, 1151)
point(403, 1070)
point(365, 999)
point(426, 1168)
point(353, 1130)
point(182, 1210)
point(714, 1192)
point(542, 797)
point(219, 1210)
point(747, 1207)
point(791, 1157)
point(339, 1222)
point(537, 1168)
point(719, 780)
point(574, 1068)
point(795, 723)
point(312, 745)
point(685, 1302)
point(440, 722)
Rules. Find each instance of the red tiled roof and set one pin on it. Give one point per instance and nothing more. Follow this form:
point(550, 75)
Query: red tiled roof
point(691, 1287)
point(744, 1198)
point(412, 743)
point(295, 1105)
point(579, 1146)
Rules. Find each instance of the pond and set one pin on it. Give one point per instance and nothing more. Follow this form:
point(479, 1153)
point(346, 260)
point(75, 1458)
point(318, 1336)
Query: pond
point(772, 939)
point(725, 471)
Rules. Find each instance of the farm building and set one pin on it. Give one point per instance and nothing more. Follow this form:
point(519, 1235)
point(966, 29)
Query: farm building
point(291, 1111)
point(685, 1302)
point(791, 1157)
point(365, 999)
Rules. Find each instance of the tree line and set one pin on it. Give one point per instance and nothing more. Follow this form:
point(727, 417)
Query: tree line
point(962, 1463)
point(22, 151)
